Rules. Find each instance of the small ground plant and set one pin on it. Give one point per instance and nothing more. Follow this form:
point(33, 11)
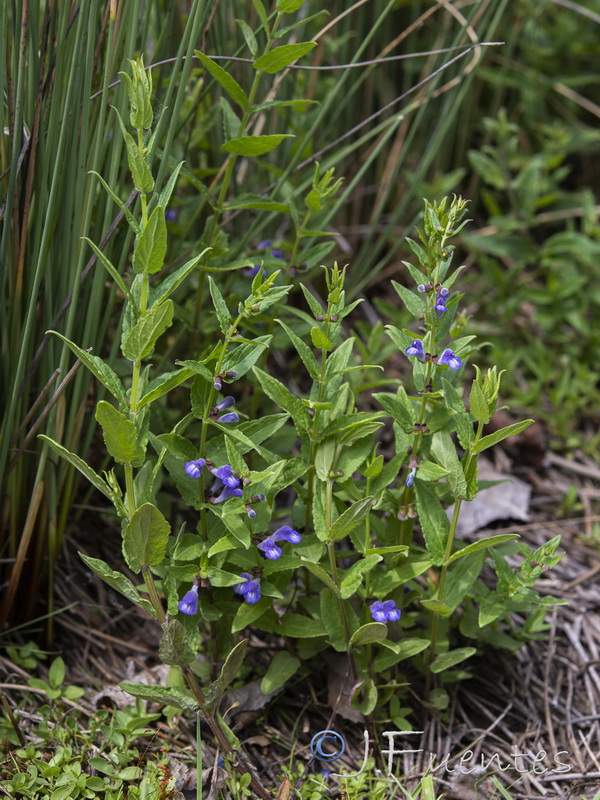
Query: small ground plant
point(288, 518)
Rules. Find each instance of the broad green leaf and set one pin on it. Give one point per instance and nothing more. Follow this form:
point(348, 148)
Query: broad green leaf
point(146, 537)
point(174, 647)
point(490, 541)
point(396, 410)
point(97, 367)
point(117, 581)
point(444, 452)
point(56, 673)
point(478, 404)
point(368, 634)
point(320, 341)
point(312, 301)
point(199, 368)
point(437, 607)
point(243, 357)
point(324, 458)
point(321, 574)
point(351, 518)
point(175, 696)
point(255, 145)
point(452, 658)
point(236, 526)
point(279, 58)
point(498, 436)
point(281, 669)
point(406, 648)
point(287, 401)
point(415, 303)
point(79, 464)
point(428, 471)
point(303, 350)
point(374, 468)
point(151, 245)
point(120, 435)
point(248, 613)
point(300, 627)
point(491, 608)
point(433, 521)
point(144, 334)
point(353, 579)
point(224, 79)
point(289, 6)
point(461, 578)
point(228, 673)
point(164, 384)
point(220, 305)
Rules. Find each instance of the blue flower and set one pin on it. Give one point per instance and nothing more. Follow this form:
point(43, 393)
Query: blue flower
point(416, 349)
point(410, 478)
point(264, 244)
point(225, 474)
point(249, 589)
point(270, 549)
point(440, 302)
point(225, 403)
point(250, 511)
point(448, 357)
point(194, 468)
point(226, 494)
point(287, 534)
point(250, 272)
point(385, 612)
point(231, 417)
point(189, 603)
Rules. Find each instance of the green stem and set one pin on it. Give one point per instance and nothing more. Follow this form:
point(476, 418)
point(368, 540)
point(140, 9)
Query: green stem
point(154, 598)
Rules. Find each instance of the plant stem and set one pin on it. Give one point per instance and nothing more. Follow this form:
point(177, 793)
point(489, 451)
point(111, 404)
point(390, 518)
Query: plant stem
point(154, 598)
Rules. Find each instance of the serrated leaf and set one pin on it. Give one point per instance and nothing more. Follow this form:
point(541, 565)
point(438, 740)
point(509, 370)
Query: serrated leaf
point(146, 537)
point(478, 404)
point(120, 435)
point(175, 696)
point(452, 658)
point(350, 519)
point(444, 452)
point(287, 401)
point(368, 634)
point(140, 172)
point(171, 282)
point(499, 436)
point(163, 385)
point(118, 582)
point(428, 471)
point(303, 350)
point(281, 669)
point(145, 333)
point(255, 145)
point(224, 79)
point(396, 410)
point(151, 245)
point(174, 647)
point(79, 464)
point(413, 302)
point(319, 339)
point(220, 305)
point(279, 58)
point(433, 521)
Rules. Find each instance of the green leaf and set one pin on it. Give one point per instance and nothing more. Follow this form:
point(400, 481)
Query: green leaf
point(249, 37)
point(437, 607)
point(56, 673)
point(351, 518)
point(256, 201)
point(281, 669)
point(407, 648)
point(433, 520)
point(151, 245)
point(236, 526)
point(255, 145)
point(415, 303)
point(491, 608)
point(118, 582)
point(490, 541)
point(324, 458)
point(175, 696)
point(365, 697)
point(319, 339)
point(444, 452)
point(98, 368)
point(300, 627)
point(262, 14)
point(303, 350)
point(171, 282)
point(368, 634)
point(144, 334)
point(353, 579)
point(374, 468)
point(140, 172)
point(244, 356)
point(79, 464)
point(112, 271)
point(498, 436)
point(145, 539)
point(289, 6)
point(312, 301)
point(220, 305)
point(164, 384)
point(452, 658)
point(428, 471)
point(321, 574)
point(120, 435)
point(397, 411)
point(248, 613)
point(287, 401)
point(279, 58)
point(478, 404)
point(174, 647)
point(224, 79)
point(228, 673)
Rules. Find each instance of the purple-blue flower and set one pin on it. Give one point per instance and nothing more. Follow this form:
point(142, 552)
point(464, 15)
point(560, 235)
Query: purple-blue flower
point(385, 612)
point(249, 589)
point(225, 474)
point(231, 417)
point(440, 302)
point(194, 468)
point(224, 404)
point(264, 244)
point(448, 357)
point(189, 603)
point(250, 511)
point(226, 494)
point(287, 534)
point(250, 272)
point(270, 549)
point(410, 478)
point(416, 349)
